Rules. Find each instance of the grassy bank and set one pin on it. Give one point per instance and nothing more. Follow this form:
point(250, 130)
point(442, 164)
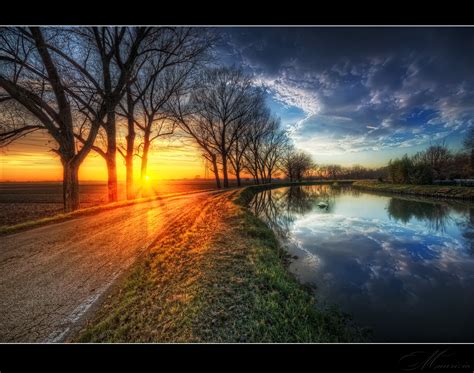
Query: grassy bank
point(221, 279)
point(437, 191)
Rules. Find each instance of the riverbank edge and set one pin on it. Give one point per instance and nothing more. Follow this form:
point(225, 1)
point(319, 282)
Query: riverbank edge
point(271, 306)
point(434, 191)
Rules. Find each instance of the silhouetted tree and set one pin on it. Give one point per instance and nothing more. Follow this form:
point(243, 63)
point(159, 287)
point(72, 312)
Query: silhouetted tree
point(255, 137)
point(114, 55)
point(37, 91)
point(165, 70)
point(333, 171)
point(296, 165)
point(218, 112)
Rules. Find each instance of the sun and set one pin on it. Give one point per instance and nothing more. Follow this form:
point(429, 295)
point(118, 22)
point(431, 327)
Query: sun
point(147, 178)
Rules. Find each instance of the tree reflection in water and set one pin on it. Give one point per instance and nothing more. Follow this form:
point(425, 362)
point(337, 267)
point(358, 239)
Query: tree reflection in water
point(279, 208)
point(269, 206)
point(371, 254)
point(468, 229)
point(437, 215)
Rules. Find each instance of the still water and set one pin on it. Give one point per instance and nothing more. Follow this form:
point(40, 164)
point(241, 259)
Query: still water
point(403, 267)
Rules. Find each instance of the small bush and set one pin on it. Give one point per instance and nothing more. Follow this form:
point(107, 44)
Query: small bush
point(421, 174)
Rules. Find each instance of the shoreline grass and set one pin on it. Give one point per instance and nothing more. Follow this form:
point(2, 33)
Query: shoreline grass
point(223, 279)
point(435, 191)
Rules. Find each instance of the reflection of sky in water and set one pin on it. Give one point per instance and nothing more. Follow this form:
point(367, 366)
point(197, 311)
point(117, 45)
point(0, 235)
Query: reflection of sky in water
point(403, 267)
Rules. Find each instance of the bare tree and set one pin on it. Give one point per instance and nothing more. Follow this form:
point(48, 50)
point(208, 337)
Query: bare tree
point(255, 137)
point(221, 101)
point(36, 91)
point(114, 54)
point(252, 123)
point(236, 157)
point(266, 146)
point(275, 143)
point(333, 170)
point(296, 165)
point(438, 158)
point(184, 113)
point(217, 112)
point(163, 72)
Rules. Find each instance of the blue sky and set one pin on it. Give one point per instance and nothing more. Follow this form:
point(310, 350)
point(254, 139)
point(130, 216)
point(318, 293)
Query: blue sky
point(361, 95)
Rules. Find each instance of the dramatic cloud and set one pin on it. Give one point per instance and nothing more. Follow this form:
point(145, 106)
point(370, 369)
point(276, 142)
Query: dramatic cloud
point(362, 89)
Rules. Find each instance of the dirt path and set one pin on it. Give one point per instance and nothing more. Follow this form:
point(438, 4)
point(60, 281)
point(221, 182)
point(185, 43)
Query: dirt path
point(157, 300)
point(51, 276)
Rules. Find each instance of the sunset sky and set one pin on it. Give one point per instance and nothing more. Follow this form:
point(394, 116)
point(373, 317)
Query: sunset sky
point(30, 160)
point(349, 96)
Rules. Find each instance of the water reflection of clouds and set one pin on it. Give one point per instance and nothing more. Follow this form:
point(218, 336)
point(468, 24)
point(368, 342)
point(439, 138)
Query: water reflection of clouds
point(387, 267)
point(402, 270)
point(309, 259)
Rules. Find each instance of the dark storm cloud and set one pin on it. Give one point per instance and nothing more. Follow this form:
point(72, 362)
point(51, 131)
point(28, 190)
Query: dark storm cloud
point(364, 88)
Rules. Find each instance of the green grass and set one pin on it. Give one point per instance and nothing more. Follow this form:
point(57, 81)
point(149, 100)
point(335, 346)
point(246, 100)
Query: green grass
point(438, 191)
point(233, 286)
point(284, 310)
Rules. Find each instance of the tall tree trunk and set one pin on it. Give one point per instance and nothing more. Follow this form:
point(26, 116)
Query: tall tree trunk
point(262, 177)
point(224, 170)
point(255, 176)
point(130, 146)
point(129, 175)
point(111, 157)
point(112, 179)
point(70, 186)
point(215, 170)
point(237, 175)
point(146, 149)
point(237, 164)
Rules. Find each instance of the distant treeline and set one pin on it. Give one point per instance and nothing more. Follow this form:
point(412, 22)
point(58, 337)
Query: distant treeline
point(436, 163)
point(334, 171)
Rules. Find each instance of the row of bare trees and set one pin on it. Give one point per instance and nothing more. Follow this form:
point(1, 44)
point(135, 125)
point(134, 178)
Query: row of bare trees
point(116, 90)
point(228, 119)
point(76, 83)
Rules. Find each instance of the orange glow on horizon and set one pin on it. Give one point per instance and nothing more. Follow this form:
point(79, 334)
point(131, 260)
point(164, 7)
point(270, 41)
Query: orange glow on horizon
point(30, 160)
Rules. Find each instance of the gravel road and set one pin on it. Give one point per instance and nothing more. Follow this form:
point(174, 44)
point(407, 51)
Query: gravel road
point(50, 277)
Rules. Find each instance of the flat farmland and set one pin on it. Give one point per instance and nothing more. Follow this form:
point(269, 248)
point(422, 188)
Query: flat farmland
point(24, 201)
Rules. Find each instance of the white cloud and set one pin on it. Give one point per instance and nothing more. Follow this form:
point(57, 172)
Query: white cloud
point(290, 94)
